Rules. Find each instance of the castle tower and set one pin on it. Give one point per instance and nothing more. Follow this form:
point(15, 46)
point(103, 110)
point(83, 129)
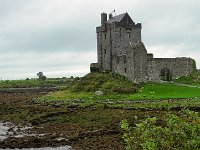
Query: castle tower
point(103, 18)
point(113, 40)
point(120, 50)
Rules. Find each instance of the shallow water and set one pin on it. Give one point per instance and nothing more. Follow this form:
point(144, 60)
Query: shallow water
point(5, 132)
point(9, 130)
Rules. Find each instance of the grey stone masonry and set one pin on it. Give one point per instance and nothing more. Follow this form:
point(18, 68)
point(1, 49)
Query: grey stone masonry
point(177, 66)
point(120, 50)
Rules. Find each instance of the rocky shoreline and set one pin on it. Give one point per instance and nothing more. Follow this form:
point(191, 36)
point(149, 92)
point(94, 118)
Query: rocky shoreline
point(28, 123)
point(37, 126)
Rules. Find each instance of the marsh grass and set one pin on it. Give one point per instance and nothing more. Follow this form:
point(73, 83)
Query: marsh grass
point(35, 83)
point(150, 91)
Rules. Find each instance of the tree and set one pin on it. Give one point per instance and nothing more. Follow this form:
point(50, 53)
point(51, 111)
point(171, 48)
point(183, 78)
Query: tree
point(41, 76)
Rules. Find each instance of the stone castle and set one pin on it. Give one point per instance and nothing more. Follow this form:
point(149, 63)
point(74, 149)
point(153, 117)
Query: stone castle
point(120, 50)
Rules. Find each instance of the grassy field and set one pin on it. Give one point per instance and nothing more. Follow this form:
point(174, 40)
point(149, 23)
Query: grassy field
point(165, 91)
point(150, 91)
point(147, 96)
point(152, 96)
point(194, 79)
point(35, 83)
point(83, 118)
point(113, 87)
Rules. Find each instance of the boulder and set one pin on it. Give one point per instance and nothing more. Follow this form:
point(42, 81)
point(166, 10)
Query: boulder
point(98, 93)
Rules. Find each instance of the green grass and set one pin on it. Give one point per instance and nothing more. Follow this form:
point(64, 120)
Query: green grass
point(34, 83)
point(165, 91)
point(89, 96)
point(146, 105)
point(107, 82)
point(67, 95)
point(193, 79)
point(150, 91)
point(79, 94)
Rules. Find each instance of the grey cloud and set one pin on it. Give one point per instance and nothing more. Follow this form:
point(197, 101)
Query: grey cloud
point(61, 39)
point(31, 63)
point(38, 35)
point(35, 34)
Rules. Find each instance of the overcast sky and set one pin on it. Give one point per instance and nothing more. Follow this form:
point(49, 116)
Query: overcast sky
point(58, 37)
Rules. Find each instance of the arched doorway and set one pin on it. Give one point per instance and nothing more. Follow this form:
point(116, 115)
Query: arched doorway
point(165, 74)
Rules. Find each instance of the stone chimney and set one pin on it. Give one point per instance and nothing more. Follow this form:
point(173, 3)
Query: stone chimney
point(103, 18)
point(110, 16)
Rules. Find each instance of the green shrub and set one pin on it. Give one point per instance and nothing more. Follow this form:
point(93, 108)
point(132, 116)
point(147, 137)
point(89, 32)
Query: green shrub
point(125, 90)
point(185, 80)
point(106, 82)
point(180, 131)
point(77, 88)
point(193, 78)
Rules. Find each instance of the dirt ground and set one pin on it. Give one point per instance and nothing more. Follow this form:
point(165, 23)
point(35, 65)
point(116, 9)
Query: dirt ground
point(57, 125)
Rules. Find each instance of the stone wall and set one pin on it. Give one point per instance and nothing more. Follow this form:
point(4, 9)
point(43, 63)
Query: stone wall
point(137, 63)
point(177, 66)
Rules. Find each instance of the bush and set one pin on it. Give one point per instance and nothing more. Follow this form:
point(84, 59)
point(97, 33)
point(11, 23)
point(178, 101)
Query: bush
point(193, 78)
point(77, 88)
point(177, 132)
point(185, 80)
point(125, 90)
point(106, 82)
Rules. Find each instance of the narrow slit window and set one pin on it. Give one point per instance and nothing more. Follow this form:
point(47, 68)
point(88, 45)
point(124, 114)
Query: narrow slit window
point(125, 60)
point(117, 60)
point(128, 34)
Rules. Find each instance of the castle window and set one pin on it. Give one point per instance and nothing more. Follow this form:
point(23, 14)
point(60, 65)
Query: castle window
point(105, 36)
point(125, 60)
point(104, 51)
point(120, 32)
point(127, 21)
point(128, 34)
point(117, 60)
point(125, 70)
